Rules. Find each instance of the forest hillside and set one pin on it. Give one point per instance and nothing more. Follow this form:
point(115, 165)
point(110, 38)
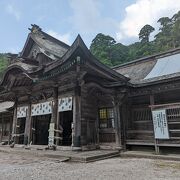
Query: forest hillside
point(111, 53)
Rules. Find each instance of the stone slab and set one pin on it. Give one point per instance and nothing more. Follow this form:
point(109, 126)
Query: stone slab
point(150, 155)
point(75, 156)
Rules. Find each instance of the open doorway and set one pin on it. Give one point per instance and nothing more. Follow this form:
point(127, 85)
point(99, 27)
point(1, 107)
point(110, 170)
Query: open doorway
point(21, 129)
point(40, 129)
point(66, 119)
point(5, 127)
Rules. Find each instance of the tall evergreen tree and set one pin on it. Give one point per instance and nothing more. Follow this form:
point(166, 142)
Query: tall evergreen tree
point(101, 48)
point(145, 32)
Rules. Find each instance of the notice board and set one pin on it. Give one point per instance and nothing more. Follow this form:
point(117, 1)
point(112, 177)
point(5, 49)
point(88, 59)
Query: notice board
point(161, 130)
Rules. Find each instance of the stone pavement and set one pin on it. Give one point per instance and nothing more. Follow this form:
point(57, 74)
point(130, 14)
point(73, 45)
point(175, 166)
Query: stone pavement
point(28, 167)
point(150, 155)
point(63, 155)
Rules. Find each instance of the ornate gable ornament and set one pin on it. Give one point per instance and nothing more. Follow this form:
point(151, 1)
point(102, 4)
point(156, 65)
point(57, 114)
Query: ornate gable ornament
point(35, 28)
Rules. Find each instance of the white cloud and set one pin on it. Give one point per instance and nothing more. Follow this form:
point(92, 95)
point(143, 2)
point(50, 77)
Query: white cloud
point(41, 18)
point(13, 11)
point(87, 17)
point(14, 50)
point(62, 37)
point(145, 12)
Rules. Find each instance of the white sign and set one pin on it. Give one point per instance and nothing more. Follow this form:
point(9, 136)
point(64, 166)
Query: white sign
point(51, 134)
point(160, 124)
point(22, 111)
point(65, 104)
point(41, 108)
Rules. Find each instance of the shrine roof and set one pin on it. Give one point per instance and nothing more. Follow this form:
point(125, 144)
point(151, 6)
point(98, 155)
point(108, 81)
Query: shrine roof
point(152, 69)
point(147, 70)
point(26, 67)
point(47, 42)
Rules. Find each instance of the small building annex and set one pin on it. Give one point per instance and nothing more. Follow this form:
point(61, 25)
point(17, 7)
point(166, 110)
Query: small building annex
point(53, 93)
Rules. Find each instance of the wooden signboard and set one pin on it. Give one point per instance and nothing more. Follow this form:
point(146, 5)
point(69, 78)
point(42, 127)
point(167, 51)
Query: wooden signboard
point(160, 124)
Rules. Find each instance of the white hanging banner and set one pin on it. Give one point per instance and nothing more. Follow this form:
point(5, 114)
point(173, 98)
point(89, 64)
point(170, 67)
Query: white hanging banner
point(160, 124)
point(41, 108)
point(22, 111)
point(65, 104)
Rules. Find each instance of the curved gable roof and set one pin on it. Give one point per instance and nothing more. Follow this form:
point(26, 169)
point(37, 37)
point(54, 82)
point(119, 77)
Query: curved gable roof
point(20, 67)
point(50, 44)
point(79, 44)
point(63, 52)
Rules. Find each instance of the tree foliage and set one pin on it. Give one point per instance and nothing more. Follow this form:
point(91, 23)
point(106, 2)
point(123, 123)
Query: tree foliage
point(101, 47)
point(145, 32)
point(3, 63)
point(111, 53)
point(107, 50)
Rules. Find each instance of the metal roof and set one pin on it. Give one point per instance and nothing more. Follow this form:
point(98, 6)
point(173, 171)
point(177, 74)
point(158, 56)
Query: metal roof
point(165, 66)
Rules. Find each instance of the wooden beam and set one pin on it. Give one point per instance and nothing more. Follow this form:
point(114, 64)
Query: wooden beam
point(169, 105)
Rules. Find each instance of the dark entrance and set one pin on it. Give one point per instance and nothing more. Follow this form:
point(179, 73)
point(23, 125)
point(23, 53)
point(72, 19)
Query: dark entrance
point(40, 129)
point(5, 127)
point(20, 130)
point(66, 119)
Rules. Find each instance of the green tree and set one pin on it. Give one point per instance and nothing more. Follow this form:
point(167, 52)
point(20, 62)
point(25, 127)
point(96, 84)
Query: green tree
point(164, 38)
point(101, 48)
point(4, 62)
point(145, 32)
point(119, 54)
point(111, 53)
point(176, 29)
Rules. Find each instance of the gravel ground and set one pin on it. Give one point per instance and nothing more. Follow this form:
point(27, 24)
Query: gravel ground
point(13, 167)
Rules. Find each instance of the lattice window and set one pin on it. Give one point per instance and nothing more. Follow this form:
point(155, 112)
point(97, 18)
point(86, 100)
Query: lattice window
point(142, 114)
point(106, 118)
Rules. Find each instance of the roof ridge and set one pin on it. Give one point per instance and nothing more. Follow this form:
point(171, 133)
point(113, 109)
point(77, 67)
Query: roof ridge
point(36, 29)
point(148, 57)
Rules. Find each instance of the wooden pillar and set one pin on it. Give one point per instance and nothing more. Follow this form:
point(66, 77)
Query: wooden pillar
point(76, 130)
point(124, 120)
point(14, 139)
point(59, 130)
point(117, 123)
point(97, 126)
point(10, 129)
point(28, 126)
point(55, 114)
point(1, 127)
point(155, 140)
point(55, 106)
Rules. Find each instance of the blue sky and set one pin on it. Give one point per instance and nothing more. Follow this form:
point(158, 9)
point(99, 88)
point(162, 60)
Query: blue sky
point(64, 19)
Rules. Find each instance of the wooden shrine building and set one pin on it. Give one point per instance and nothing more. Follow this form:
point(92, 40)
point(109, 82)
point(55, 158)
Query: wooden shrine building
point(53, 93)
